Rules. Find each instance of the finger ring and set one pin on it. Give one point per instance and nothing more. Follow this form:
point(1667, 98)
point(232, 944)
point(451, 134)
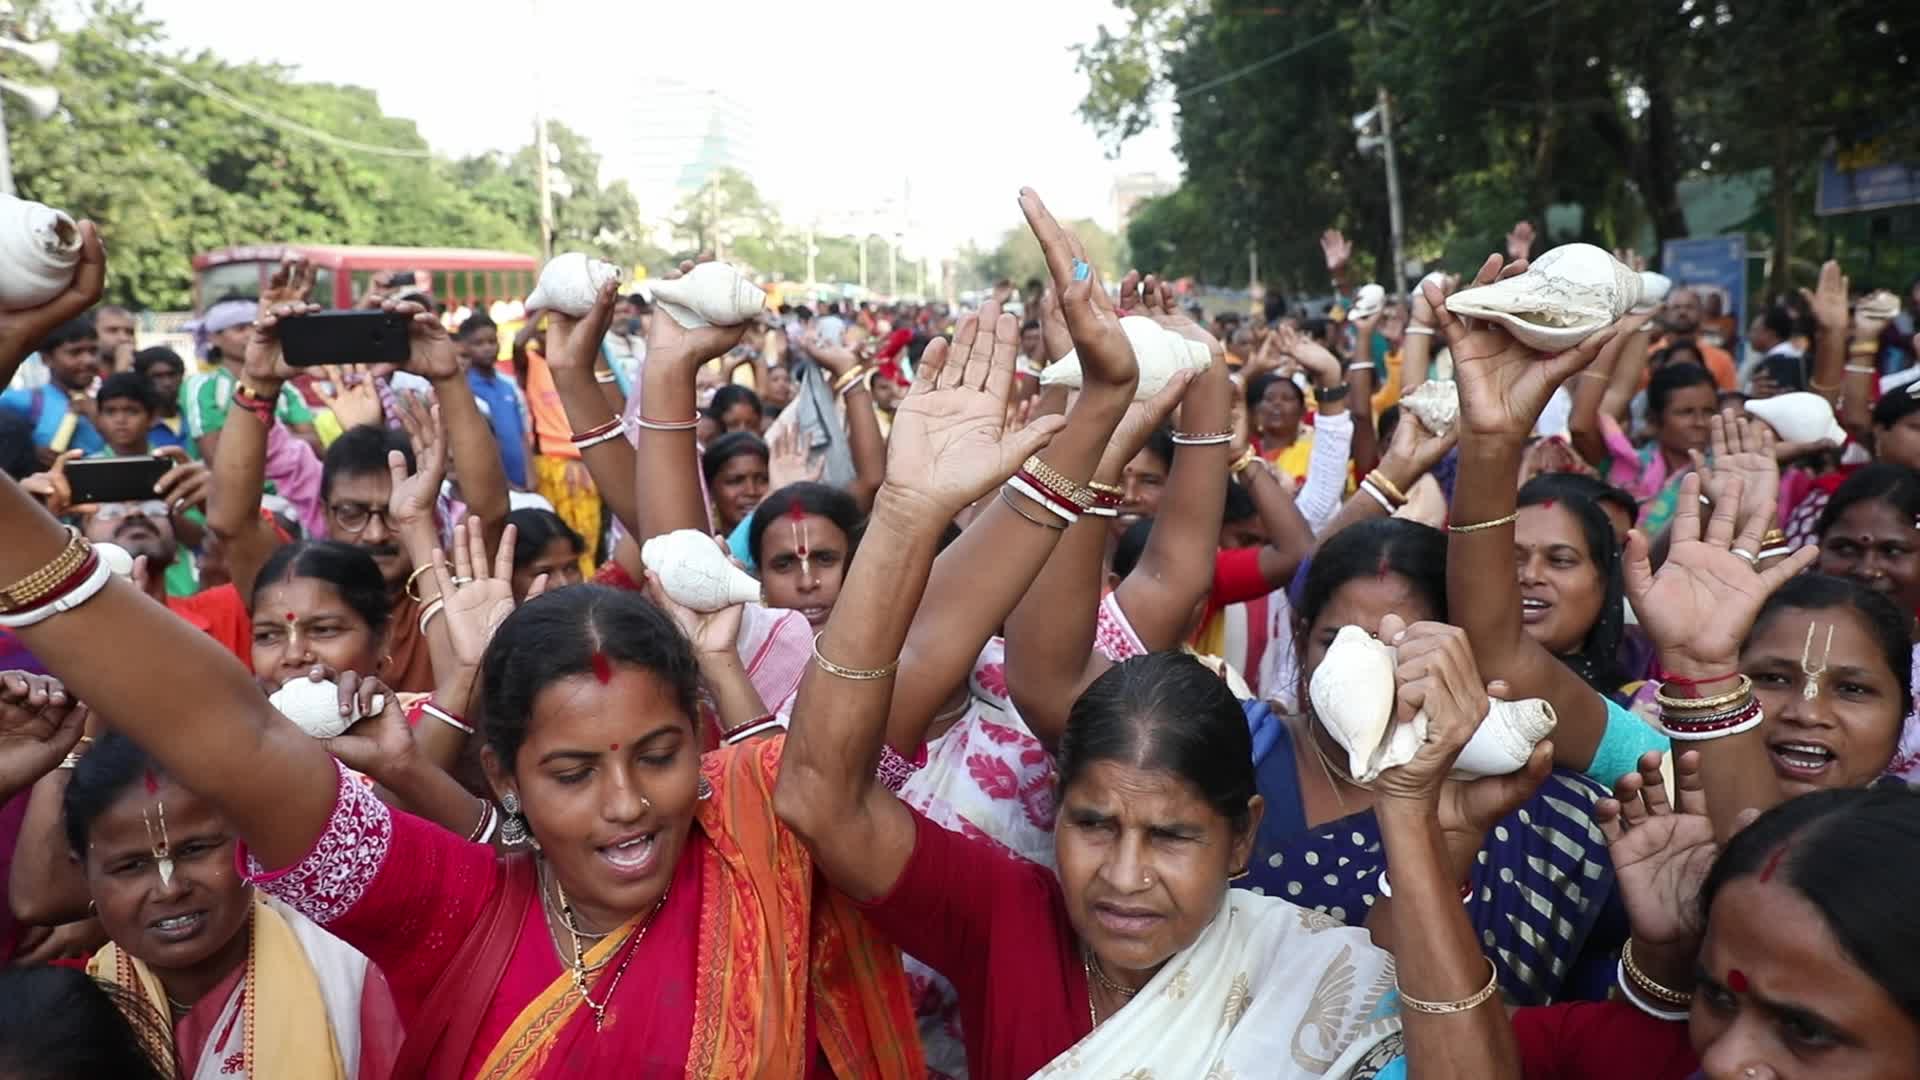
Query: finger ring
point(1750, 557)
point(458, 580)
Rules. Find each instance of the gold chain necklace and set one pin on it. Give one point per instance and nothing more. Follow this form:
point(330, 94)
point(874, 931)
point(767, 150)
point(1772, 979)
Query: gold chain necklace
point(1095, 974)
point(579, 969)
point(1328, 768)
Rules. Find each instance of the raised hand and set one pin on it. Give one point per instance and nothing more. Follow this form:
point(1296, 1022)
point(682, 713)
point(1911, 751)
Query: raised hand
point(713, 633)
point(430, 352)
point(669, 342)
point(1661, 853)
point(413, 497)
point(1106, 356)
point(1520, 242)
point(477, 601)
point(1336, 249)
point(1414, 451)
point(1141, 419)
point(1320, 364)
point(350, 394)
point(380, 744)
point(265, 363)
point(835, 357)
point(949, 444)
point(1699, 607)
point(574, 344)
point(291, 283)
point(1436, 674)
point(39, 724)
point(1158, 304)
point(22, 331)
point(1423, 308)
point(1504, 384)
point(1741, 447)
point(789, 460)
point(1828, 299)
point(1055, 338)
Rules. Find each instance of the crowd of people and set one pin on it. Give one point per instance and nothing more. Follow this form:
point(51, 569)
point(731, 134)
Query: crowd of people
point(1036, 754)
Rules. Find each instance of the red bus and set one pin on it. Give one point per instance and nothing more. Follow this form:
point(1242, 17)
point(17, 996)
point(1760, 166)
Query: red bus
point(461, 276)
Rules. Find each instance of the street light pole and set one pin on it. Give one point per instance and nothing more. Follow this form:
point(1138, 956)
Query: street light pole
point(1393, 195)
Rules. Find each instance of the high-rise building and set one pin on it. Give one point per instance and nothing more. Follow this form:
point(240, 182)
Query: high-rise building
point(677, 135)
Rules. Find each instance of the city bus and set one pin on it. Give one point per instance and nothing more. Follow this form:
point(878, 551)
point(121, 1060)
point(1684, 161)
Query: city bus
point(461, 277)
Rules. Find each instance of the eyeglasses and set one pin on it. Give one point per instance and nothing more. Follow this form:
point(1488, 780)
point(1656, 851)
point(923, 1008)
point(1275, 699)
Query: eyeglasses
point(151, 508)
point(354, 517)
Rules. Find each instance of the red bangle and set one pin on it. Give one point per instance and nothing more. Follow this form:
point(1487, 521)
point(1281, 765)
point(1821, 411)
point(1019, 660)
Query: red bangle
point(67, 584)
point(1052, 496)
point(1681, 680)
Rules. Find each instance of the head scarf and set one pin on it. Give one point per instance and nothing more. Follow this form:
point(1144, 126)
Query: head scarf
point(224, 315)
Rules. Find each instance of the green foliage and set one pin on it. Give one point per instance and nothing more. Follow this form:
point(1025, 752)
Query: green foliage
point(167, 171)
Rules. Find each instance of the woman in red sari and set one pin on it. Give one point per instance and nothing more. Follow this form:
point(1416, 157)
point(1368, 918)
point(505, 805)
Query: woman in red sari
point(666, 923)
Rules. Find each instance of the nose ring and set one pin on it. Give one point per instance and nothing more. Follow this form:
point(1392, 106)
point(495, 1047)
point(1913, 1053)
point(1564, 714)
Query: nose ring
point(1146, 881)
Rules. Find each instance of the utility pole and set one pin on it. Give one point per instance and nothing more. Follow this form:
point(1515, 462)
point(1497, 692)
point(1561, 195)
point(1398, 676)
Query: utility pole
point(540, 148)
point(1393, 195)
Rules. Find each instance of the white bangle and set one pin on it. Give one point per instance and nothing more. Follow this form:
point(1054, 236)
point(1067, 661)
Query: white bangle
point(618, 431)
point(67, 601)
point(742, 734)
point(1360, 365)
point(1683, 735)
point(1033, 494)
point(1386, 889)
point(1377, 497)
point(1416, 328)
point(1102, 511)
point(1633, 998)
point(445, 717)
point(1773, 553)
point(605, 377)
point(1862, 369)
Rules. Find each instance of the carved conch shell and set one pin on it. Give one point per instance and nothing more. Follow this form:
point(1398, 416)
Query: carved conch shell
point(314, 706)
point(1159, 352)
point(38, 253)
point(1654, 288)
point(1564, 296)
point(1353, 694)
point(571, 282)
point(1879, 305)
point(118, 559)
point(711, 294)
point(1435, 403)
point(1368, 301)
point(1799, 417)
point(695, 573)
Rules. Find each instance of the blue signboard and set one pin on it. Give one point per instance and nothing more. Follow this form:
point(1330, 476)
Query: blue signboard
point(1713, 266)
point(1856, 178)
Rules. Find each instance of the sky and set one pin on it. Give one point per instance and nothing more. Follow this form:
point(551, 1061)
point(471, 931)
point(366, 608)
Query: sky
point(855, 98)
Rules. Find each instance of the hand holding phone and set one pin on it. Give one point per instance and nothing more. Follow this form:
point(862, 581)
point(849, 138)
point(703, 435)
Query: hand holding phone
point(120, 479)
point(344, 337)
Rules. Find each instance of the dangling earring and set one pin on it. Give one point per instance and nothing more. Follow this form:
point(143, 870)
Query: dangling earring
point(513, 827)
point(703, 790)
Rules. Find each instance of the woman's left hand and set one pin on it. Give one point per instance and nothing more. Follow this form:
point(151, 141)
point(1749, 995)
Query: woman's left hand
point(949, 444)
point(1435, 675)
point(379, 744)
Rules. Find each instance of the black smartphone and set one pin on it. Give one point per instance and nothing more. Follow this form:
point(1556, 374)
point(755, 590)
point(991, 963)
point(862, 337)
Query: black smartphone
point(120, 479)
point(344, 337)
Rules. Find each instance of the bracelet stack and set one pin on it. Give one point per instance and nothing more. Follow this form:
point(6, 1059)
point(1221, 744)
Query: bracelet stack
point(665, 425)
point(1210, 438)
point(1107, 499)
point(1053, 491)
point(1695, 719)
point(1384, 491)
point(613, 429)
point(1647, 995)
point(69, 580)
point(428, 708)
point(484, 828)
point(855, 378)
point(261, 407)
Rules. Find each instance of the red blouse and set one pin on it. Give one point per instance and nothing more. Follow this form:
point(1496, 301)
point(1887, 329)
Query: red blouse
point(1601, 1040)
point(997, 928)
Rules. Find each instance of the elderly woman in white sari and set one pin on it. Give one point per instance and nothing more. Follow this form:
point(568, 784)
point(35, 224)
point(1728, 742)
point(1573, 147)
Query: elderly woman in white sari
point(1134, 956)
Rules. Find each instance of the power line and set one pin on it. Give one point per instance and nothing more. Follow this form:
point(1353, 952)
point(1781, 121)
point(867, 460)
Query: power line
point(271, 119)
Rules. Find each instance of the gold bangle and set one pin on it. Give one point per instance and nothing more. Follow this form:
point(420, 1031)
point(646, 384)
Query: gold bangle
point(413, 577)
point(1057, 482)
point(1110, 490)
point(1484, 525)
point(1824, 388)
point(1388, 488)
point(1246, 459)
point(1045, 523)
point(1448, 1008)
point(1645, 983)
point(1741, 691)
point(852, 674)
point(35, 587)
point(852, 375)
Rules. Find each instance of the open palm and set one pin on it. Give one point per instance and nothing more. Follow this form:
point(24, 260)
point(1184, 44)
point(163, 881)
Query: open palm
point(950, 444)
point(1661, 853)
point(476, 601)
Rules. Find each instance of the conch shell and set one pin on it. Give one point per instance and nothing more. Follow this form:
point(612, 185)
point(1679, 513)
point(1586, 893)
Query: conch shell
point(314, 706)
point(1562, 298)
point(695, 573)
point(1158, 351)
point(1879, 305)
point(38, 253)
point(1353, 694)
point(1368, 301)
point(1799, 417)
point(571, 282)
point(1654, 288)
point(118, 559)
point(1435, 403)
point(711, 294)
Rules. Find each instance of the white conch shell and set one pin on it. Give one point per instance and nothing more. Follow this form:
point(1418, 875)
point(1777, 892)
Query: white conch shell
point(711, 294)
point(314, 706)
point(1368, 301)
point(1353, 693)
point(1564, 296)
point(39, 248)
point(1799, 417)
point(1435, 403)
point(1879, 305)
point(695, 573)
point(118, 559)
point(1654, 288)
point(571, 282)
point(1159, 352)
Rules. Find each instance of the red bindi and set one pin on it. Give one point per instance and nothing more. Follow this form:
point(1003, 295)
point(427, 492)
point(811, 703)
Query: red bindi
point(1736, 981)
point(613, 748)
point(602, 668)
point(292, 617)
point(153, 785)
point(1773, 862)
point(1548, 503)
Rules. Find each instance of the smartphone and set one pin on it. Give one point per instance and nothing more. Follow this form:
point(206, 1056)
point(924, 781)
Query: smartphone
point(120, 479)
point(344, 337)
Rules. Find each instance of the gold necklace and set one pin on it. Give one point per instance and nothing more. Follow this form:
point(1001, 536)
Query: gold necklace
point(1328, 768)
point(580, 970)
point(1096, 974)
